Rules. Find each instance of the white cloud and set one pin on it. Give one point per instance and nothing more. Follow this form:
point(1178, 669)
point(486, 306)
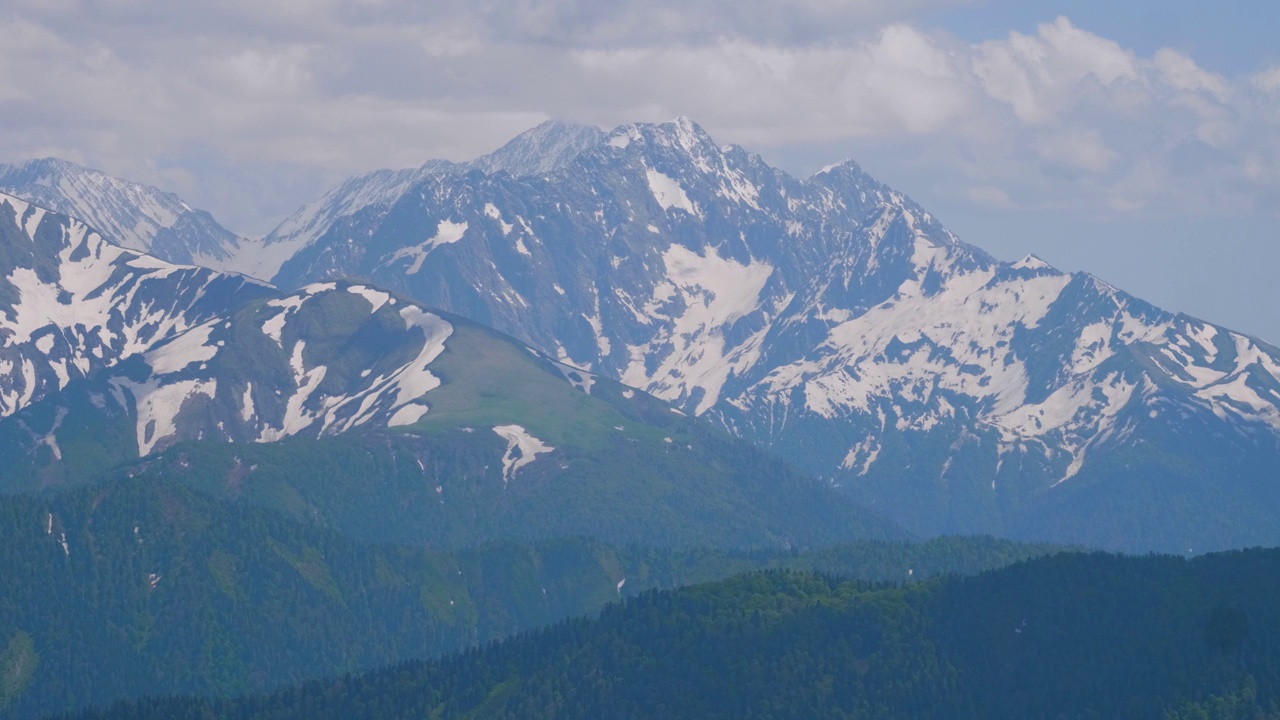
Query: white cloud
point(1038, 76)
point(1075, 149)
point(1268, 80)
point(897, 81)
point(264, 74)
point(991, 197)
point(911, 81)
point(251, 107)
point(1181, 73)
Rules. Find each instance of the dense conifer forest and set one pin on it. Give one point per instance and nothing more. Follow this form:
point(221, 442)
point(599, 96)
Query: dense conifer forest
point(1064, 636)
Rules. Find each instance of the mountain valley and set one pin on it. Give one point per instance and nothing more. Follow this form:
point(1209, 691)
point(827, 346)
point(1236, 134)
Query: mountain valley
point(1070, 635)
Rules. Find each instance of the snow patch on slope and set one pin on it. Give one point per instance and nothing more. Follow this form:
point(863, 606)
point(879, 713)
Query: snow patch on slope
point(157, 404)
point(668, 193)
point(73, 300)
point(102, 304)
point(447, 232)
point(862, 455)
point(492, 211)
point(522, 449)
point(393, 393)
point(184, 350)
point(890, 350)
point(716, 291)
point(407, 414)
point(580, 379)
point(246, 403)
point(376, 298)
point(273, 327)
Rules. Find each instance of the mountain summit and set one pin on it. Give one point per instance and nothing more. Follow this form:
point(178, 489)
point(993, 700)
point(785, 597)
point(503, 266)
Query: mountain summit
point(365, 199)
point(541, 150)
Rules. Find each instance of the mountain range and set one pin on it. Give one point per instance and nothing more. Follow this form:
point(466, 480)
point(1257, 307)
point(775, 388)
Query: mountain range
point(443, 405)
point(829, 320)
point(344, 404)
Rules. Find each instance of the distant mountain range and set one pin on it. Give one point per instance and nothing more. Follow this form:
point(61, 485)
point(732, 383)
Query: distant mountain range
point(830, 320)
point(133, 216)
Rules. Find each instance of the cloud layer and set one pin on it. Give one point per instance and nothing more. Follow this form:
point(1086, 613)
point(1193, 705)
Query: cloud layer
point(250, 108)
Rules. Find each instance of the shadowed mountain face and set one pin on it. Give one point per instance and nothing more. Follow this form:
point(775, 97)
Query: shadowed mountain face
point(839, 324)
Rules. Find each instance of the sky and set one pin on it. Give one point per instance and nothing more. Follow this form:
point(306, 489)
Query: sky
point(1138, 141)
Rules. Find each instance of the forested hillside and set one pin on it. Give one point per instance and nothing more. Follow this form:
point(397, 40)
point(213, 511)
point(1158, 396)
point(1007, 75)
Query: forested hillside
point(1068, 636)
point(144, 585)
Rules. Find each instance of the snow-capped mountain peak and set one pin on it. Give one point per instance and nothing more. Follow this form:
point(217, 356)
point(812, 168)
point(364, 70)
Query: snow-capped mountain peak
point(131, 215)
